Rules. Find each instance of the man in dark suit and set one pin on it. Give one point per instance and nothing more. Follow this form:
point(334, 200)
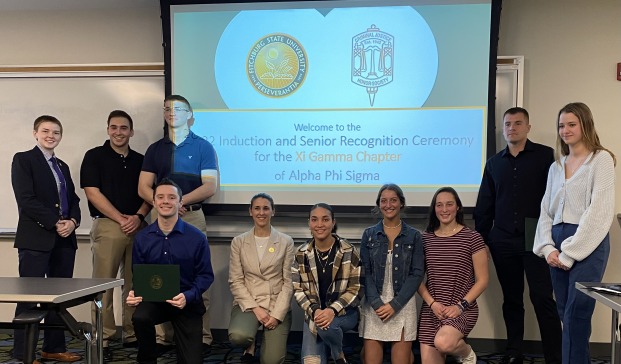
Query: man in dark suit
point(49, 213)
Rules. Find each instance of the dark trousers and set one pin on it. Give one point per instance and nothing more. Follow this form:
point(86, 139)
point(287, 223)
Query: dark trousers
point(512, 262)
point(574, 307)
point(58, 262)
point(188, 326)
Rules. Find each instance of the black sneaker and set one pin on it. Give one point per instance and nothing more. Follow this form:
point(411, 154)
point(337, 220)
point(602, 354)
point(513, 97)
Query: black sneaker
point(512, 359)
point(107, 354)
point(130, 344)
point(206, 349)
point(247, 358)
point(341, 361)
point(163, 349)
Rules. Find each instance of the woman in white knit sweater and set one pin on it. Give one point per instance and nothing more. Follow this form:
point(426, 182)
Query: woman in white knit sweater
point(576, 212)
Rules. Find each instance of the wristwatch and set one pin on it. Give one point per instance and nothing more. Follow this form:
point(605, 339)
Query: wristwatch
point(464, 304)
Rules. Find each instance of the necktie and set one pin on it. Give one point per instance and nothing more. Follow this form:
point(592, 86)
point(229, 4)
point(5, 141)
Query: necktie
point(64, 201)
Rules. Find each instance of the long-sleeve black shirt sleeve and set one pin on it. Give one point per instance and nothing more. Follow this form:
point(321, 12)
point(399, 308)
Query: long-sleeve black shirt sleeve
point(511, 190)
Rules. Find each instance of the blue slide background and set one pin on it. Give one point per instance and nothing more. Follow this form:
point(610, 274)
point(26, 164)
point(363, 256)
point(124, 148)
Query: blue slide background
point(211, 70)
point(416, 165)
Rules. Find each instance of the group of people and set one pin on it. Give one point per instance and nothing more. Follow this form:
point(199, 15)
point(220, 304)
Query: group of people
point(340, 287)
point(537, 214)
point(171, 181)
point(535, 202)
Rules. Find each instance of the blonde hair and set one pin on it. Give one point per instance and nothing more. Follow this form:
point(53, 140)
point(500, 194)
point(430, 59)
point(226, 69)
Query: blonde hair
point(589, 135)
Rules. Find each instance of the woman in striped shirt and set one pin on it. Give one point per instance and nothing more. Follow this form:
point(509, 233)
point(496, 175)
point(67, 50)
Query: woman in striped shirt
point(456, 264)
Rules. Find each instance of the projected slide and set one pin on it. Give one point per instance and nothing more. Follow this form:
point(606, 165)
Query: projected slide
point(329, 99)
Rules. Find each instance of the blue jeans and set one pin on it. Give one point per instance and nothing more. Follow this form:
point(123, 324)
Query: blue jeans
point(575, 308)
point(331, 339)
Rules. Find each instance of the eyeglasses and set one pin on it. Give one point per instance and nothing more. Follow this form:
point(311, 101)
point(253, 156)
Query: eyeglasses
point(177, 109)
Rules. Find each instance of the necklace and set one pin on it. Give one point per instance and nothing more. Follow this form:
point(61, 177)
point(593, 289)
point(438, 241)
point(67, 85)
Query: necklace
point(323, 255)
point(260, 240)
point(391, 227)
point(577, 164)
point(447, 233)
point(323, 260)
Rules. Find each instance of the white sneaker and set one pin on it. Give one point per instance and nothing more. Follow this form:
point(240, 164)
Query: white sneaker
point(471, 358)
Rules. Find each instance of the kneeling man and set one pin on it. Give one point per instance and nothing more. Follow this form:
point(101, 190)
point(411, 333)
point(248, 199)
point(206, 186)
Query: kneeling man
point(170, 240)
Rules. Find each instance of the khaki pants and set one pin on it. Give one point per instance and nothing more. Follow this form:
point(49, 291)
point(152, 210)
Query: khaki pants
point(243, 330)
point(164, 332)
point(112, 251)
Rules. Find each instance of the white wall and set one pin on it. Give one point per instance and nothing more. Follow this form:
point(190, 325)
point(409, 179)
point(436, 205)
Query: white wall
point(571, 48)
point(98, 31)
point(119, 34)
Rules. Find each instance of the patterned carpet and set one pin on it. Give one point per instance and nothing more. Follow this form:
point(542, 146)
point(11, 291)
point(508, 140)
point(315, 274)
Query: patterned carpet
point(223, 353)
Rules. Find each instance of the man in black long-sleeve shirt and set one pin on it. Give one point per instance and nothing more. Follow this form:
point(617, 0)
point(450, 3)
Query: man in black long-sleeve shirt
point(513, 184)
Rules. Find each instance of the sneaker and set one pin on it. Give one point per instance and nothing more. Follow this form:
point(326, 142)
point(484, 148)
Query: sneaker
point(341, 361)
point(163, 349)
point(471, 358)
point(247, 358)
point(107, 354)
point(512, 359)
point(130, 344)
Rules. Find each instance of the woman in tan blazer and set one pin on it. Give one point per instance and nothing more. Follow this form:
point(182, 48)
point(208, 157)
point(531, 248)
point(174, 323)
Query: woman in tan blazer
point(260, 280)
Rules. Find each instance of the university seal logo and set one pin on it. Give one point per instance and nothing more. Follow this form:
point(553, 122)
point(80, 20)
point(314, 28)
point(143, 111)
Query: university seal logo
point(372, 60)
point(156, 282)
point(277, 65)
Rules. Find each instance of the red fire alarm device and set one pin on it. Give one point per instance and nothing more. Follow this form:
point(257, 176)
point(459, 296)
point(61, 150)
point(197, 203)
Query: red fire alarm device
point(618, 71)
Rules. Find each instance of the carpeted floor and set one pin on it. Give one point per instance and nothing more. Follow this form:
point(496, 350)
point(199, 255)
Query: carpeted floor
point(222, 352)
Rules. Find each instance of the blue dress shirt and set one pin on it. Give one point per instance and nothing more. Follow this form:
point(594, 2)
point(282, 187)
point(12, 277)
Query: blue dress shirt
point(186, 246)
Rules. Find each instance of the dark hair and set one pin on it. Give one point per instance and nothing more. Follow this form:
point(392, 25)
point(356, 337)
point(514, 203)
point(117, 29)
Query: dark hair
point(179, 98)
point(433, 222)
point(327, 207)
point(390, 187)
point(121, 114)
point(262, 195)
point(43, 118)
point(516, 110)
point(168, 182)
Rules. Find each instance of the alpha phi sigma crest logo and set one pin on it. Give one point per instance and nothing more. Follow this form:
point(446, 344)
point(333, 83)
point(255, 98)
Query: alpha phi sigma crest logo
point(372, 60)
point(156, 282)
point(277, 65)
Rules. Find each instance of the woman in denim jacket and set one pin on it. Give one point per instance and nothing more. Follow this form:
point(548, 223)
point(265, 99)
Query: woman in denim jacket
point(393, 260)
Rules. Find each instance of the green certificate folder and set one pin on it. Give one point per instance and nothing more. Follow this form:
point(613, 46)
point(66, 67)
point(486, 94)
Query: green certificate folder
point(156, 282)
point(530, 227)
